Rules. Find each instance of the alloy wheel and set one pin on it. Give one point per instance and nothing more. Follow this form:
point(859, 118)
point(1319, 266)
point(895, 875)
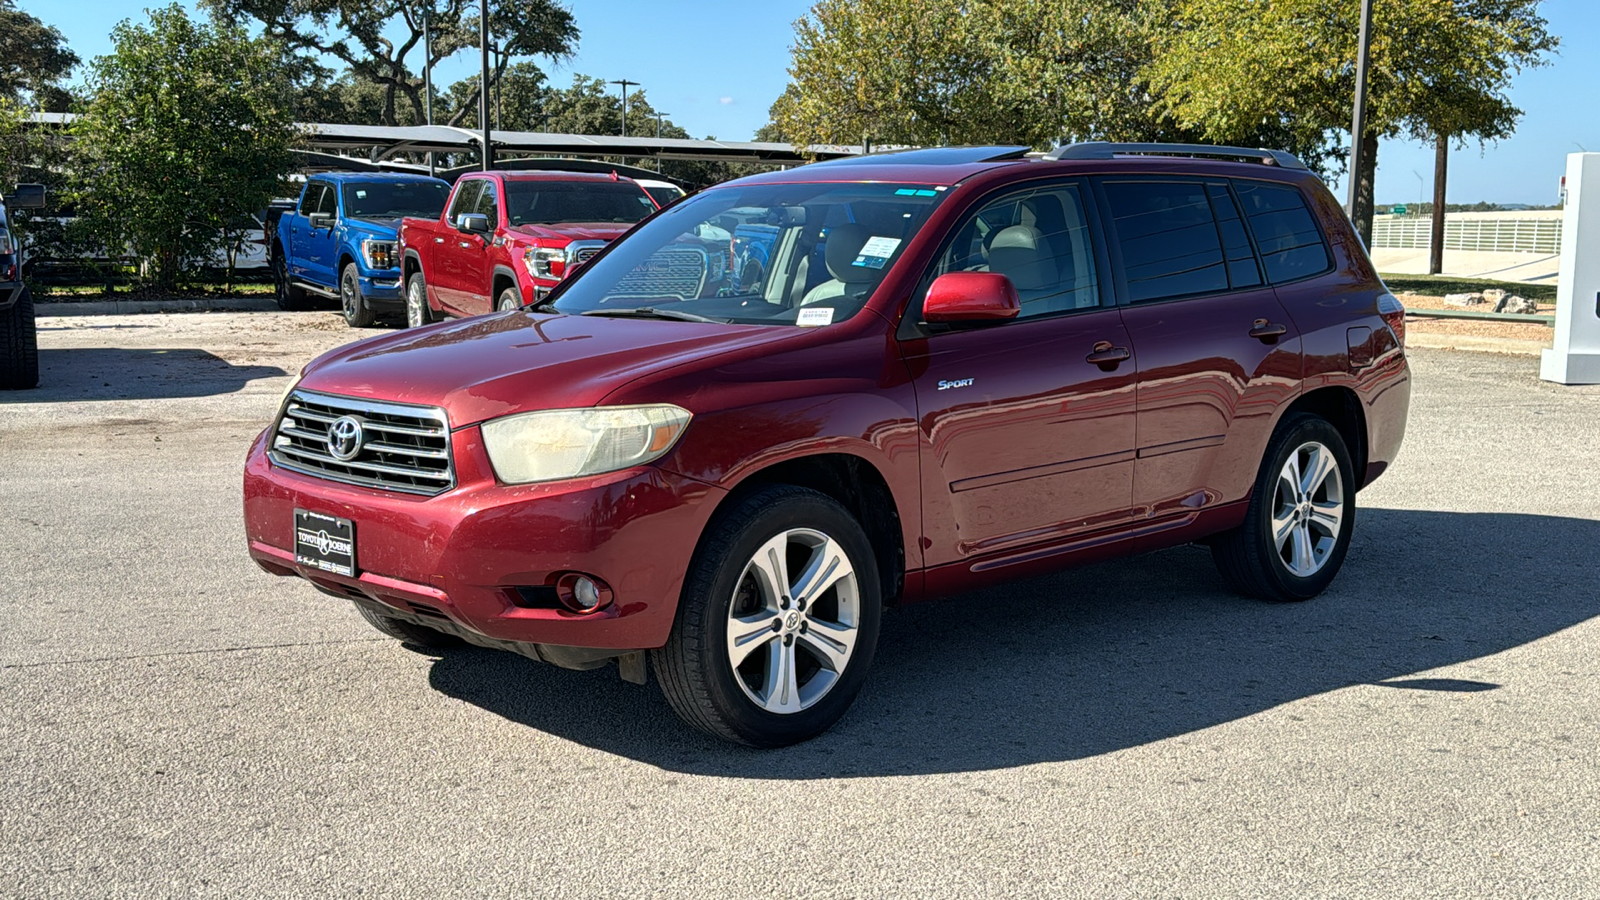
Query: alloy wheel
point(1308, 507)
point(416, 304)
point(793, 622)
point(349, 296)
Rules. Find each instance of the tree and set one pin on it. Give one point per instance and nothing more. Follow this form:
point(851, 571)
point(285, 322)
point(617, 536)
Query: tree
point(33, 60)
point(971, 72)
point(186, 127)
point(378, 38)
point(1236, 68)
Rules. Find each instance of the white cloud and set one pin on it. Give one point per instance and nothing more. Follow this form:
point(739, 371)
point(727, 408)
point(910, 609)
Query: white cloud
point(726, 101)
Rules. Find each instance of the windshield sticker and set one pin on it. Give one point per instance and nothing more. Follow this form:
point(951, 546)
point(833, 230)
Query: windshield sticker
point(361, 195)
point(812, 317)
point(876, 252)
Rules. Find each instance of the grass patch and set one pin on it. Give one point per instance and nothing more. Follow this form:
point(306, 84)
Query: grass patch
point(1439, 285)
point(199, 290)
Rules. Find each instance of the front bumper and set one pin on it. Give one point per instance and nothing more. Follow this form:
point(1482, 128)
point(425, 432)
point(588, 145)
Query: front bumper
point(383, 290)
point(462, 554)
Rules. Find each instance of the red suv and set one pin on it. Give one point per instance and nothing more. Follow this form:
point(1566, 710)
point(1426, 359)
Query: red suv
point(959, 366)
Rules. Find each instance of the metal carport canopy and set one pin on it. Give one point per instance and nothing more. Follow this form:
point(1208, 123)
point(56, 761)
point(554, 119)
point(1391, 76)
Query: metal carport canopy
point(444, 139)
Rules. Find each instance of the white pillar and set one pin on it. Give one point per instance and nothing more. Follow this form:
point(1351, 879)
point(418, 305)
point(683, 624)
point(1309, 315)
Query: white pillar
point(1575, 359)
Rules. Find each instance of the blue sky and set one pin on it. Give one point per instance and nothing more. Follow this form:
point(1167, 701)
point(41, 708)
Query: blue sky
point(716, 65)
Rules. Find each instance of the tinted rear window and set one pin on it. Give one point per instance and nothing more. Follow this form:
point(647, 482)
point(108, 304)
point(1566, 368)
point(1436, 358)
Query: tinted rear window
point(1286, 234)
point(557, 202)
point(1168, 237)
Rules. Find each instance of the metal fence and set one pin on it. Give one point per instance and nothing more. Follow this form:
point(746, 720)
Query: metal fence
point(1508, 235)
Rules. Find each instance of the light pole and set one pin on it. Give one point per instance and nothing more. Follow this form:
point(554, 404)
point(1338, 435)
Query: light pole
point(625, 85)
point(1358, 123)
point(427, 73)
point(483, 83)
point(659, 116)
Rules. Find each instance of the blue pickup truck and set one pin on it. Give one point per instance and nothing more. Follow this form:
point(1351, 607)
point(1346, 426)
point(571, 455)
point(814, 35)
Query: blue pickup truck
point(338, 242)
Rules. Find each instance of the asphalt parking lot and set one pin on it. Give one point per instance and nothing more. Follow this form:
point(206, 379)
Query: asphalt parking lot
point(177, 723)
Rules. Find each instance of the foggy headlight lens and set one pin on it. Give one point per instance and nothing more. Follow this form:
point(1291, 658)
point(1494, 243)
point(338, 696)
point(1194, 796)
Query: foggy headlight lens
point(571, 443)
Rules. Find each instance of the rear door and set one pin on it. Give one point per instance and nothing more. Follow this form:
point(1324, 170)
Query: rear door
point(1218, 355)
point(1026, 441)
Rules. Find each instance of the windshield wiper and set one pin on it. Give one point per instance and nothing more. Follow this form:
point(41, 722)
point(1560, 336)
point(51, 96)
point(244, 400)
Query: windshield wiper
point(654, 312)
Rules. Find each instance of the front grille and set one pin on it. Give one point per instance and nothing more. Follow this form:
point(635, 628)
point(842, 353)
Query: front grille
point(397, 448)
point(667, 273)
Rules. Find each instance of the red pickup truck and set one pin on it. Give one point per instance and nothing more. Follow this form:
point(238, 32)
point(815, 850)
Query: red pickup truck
point(507, 238)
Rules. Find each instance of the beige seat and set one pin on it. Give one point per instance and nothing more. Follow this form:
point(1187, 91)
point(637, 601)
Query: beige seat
point(843, 246)
point(1023, 254)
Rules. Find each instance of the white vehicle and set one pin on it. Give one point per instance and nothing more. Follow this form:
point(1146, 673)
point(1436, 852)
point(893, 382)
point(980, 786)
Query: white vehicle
point(662, 192)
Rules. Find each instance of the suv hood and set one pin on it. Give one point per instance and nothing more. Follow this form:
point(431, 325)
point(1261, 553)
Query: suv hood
point(503, 363)
point(575, 231)
point(378, 226)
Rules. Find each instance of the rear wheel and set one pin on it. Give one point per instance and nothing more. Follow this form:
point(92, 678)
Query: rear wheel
point(19, 342)
point(357, 314)
point(405, 631)
point(418, 313)
point(777, 623)
point(289, 297)
point(1297, 529)
point(510, 299)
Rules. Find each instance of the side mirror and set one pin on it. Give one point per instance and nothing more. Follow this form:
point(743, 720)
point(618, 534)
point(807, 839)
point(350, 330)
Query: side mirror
point(320, 220)
point(971, 297)
point(472, 223)
point(28, 196)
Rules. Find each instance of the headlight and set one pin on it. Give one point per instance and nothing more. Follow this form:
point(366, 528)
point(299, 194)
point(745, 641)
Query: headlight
point(545, 262)
point(570, 443)
point(6, 246)
point(284, 397)
point(379, 254)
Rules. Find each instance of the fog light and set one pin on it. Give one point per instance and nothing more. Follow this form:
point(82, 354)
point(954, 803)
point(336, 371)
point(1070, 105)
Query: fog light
point(582, 593)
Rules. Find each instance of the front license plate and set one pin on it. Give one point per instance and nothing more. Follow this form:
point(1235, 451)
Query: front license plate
point(325, 542)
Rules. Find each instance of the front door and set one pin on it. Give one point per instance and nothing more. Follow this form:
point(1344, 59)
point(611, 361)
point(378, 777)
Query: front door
point(300, 230)
point(451, 250)
point(1218, 355)
point(477, 258)
point(322, 251)
point(1026, 440)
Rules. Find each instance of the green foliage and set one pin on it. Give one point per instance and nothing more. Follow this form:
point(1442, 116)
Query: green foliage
point(33, 59)
point(381, 41)
point(186, 127)
point(972, 72)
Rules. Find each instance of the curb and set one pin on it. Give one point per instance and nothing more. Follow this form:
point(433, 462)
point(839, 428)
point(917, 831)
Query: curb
point(136, 307)
point(1475, 343)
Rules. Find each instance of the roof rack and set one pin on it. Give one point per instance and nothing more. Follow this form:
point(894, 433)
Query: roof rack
point(1107, 150)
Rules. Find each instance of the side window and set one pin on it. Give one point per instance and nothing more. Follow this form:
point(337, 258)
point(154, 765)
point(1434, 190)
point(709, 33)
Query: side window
point(488, 205)
point(1168, 237)
point(466, 199)
point(310, 199)
point(1286, 234)
point(1242, 269)
point(330, 201)
point(1039, 239)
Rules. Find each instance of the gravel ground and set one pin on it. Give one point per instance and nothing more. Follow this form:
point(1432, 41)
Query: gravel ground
point(181, 724)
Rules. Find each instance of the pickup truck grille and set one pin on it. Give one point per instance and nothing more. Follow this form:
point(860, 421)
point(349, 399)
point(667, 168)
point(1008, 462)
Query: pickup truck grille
point(365, 442)
point(667, 273)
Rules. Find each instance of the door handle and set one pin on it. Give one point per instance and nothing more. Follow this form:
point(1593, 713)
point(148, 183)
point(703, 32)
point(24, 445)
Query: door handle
point(1107, 356)
point(1267, 332)
point(438, 240)
point(465, 244)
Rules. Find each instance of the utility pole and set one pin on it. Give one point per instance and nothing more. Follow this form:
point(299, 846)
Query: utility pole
point(427, 73)
point(1441, 162)
point(659, 116)
point(1358, 125)
point(625, 85)
point(483, 83)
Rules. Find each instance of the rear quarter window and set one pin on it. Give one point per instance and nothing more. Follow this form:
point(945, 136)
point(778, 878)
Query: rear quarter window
point(1286, 235)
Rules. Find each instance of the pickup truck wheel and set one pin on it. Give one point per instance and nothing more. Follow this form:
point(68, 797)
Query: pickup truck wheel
point(510, 299)
point(289, 297)
point(405, 631)
point(1301, 515)
point(354, 306)
point(777, 623)
point(19, 370)
point(418, 313)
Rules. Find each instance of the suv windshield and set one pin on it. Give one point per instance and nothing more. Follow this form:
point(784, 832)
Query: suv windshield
point(773, 254)
point(391, 200)
point(565, 202)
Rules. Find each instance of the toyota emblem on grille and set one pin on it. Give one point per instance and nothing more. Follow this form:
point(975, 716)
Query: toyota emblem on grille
point(345, 438)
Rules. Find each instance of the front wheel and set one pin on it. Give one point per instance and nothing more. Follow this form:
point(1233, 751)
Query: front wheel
point(418, 313)
point(510, 299)
point(777, 623)
point(354, 306)
point(1297, 529)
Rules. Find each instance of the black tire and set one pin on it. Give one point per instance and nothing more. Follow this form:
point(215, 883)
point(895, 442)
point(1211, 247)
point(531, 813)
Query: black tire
point(357, 314)
point(694, 668)
point(19, 341)
point(509, 299)
point(418, 313)
point(419, 635)
point(1249, 558)
point(290, 298)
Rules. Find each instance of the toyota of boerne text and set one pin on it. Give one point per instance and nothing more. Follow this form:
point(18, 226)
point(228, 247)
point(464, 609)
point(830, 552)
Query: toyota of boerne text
point(958, 366)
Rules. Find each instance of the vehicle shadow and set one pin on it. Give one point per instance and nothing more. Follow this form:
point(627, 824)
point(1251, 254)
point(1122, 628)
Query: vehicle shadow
point(1112, 656)
point(120, 373)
